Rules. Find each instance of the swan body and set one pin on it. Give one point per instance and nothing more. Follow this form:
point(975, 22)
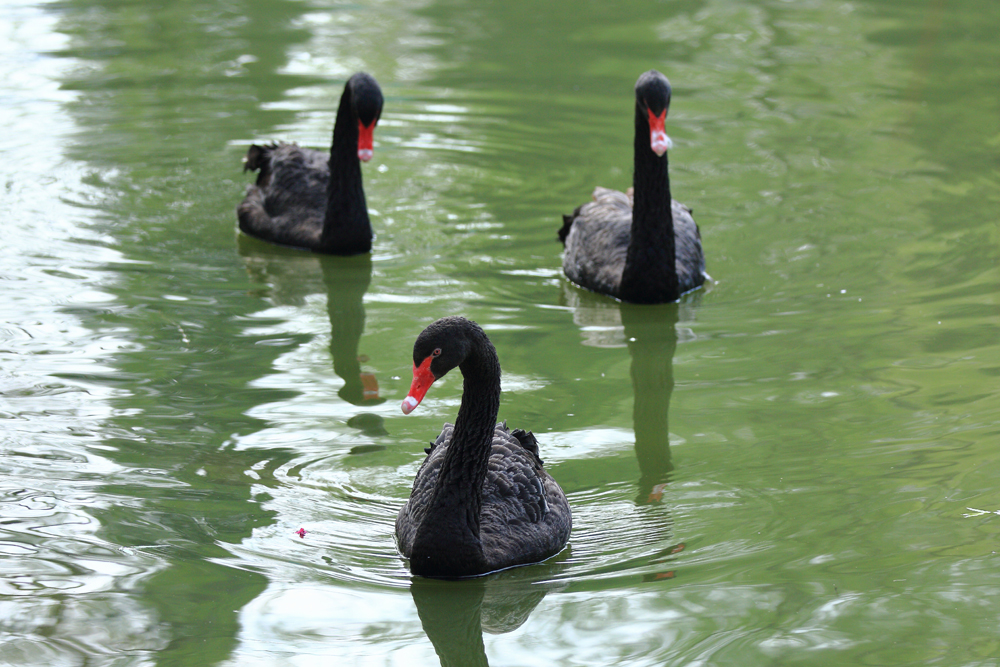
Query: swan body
point(312, 199)
point(639, 246)
point(482, 500)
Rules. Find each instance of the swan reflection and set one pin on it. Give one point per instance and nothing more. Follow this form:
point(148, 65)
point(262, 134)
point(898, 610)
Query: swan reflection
point(455, 614)
point(651, 336)
point(291, 276)
point(347, 280)
point(650, 332)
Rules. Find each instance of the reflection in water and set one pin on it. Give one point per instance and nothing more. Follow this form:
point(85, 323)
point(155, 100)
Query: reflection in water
point(291, 275)
point(286, 276)
point(650, 332)
point(454, 614)
point(347, 280)
point(651, 335)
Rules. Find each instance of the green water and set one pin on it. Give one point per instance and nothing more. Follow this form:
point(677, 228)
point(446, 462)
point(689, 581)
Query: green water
point(796, 465)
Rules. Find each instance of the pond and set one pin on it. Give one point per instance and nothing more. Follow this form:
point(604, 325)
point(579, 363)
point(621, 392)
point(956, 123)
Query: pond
point(796, 464)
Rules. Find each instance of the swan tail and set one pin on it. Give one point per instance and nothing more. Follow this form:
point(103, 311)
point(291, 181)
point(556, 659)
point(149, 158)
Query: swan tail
point(567, 224)
point(258, 158)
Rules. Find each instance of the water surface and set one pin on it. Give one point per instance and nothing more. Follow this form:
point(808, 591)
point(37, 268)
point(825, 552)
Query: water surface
point(795, 465)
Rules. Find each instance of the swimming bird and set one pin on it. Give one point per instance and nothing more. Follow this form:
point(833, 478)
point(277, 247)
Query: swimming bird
point(481, 500)
point(638, 246)
point(313, 199)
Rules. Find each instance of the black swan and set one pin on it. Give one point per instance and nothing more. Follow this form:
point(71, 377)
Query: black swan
point(638, 246)
point(481, 501)
point(296, 202)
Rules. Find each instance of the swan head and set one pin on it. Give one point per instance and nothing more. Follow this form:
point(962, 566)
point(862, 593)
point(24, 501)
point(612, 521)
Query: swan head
point(439, 348)
point(652, 100)
point(366, 103)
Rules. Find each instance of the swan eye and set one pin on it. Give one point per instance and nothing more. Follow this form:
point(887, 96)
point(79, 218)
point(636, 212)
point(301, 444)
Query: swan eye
point(436, 352)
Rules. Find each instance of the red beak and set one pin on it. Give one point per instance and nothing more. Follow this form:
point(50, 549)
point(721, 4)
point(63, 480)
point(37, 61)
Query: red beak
point(423, 378)
point(658, 139)
point(365, 150)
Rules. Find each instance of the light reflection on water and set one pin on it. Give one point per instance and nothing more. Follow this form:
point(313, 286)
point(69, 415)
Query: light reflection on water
point(778, 469)
point(60, 580)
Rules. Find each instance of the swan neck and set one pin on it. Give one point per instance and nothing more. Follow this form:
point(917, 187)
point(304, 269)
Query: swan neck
point(468, 454)
point(650, 274)
point(450, 528)
point(346, 227)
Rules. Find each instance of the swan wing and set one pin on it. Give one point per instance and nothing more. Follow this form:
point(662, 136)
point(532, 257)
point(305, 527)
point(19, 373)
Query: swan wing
point(412, 513)
point(525, 516)
point(287, 203)
point(690, 260)
point(597, 237)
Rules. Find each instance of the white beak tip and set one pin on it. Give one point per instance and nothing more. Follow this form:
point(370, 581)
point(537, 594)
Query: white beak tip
point(661, 143)
point(365, 154)
point(409, 403)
